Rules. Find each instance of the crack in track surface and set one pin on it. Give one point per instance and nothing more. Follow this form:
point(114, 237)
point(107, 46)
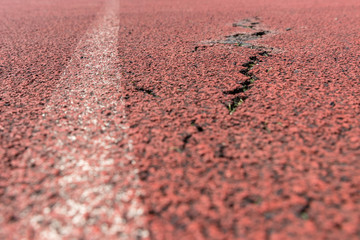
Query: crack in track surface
point(245, 175)
point(241, 39)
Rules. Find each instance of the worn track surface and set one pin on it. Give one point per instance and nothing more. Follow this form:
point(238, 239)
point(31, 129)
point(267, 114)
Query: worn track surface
point(180, 119)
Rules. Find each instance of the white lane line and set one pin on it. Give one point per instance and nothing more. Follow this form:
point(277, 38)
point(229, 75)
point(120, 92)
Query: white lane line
point(96, 199)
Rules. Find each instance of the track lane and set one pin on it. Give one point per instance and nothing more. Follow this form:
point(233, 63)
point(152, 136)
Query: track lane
point(81, 138)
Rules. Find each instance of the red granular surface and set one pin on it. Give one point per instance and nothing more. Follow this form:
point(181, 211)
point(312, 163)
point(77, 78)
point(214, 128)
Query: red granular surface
point(37, 39)
point(257, 139)
point(285, 163)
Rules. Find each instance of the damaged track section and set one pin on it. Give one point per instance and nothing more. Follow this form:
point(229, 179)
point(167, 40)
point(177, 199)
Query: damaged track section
point(247, 23)
point(243, 39)
point(240, 39)
point(244, 87)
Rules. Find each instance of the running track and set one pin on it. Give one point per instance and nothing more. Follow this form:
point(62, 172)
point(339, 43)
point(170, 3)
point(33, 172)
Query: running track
point(179, 119)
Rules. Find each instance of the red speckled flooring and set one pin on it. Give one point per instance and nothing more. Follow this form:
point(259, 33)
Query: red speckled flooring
point(201, 120)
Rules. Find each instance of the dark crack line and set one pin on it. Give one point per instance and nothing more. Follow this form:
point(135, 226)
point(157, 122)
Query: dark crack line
point(245, 86)
point(235, 102)
point(185, 141)
point(303, 212)
point(147, 91)
point(241, 39)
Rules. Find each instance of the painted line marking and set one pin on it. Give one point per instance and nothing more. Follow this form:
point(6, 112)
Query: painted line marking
point(95, 198)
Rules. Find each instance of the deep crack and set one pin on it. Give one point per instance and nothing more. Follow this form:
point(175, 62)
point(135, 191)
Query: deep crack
point(246, 85)
point(235, 102)
point(241, 39)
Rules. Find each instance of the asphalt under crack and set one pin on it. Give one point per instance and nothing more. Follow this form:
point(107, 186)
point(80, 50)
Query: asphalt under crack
point(243, 39)
point(247, 23)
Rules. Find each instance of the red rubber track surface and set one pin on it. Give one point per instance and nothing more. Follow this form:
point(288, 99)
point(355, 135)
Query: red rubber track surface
point(283, 165)
point(37, 39)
